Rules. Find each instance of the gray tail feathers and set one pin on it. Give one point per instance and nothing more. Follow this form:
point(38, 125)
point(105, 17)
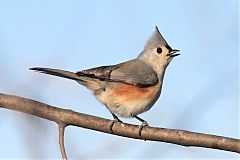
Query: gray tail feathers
point(58, 72)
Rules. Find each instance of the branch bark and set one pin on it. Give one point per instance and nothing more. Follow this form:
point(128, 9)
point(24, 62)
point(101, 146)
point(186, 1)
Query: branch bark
point(68, 117)
point(61, 128)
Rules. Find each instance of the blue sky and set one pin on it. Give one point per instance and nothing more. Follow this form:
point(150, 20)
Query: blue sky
point(200, 91)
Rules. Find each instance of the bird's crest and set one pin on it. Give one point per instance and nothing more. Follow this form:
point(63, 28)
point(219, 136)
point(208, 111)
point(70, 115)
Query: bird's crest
point(156, 40)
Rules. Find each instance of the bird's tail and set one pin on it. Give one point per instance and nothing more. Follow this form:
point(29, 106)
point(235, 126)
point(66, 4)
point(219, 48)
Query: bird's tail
point(58, 72)
point(89, 82)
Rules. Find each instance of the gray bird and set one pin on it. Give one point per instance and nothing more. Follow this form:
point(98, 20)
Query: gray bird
point(130, 88)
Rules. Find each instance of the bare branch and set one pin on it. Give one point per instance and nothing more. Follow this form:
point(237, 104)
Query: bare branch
point(69, 117)
point(61, 128)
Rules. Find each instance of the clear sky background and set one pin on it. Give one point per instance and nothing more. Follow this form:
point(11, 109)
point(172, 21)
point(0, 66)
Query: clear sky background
point(200, 91)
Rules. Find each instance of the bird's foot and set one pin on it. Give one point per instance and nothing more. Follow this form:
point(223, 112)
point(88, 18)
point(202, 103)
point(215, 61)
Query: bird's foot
point(144, 124)
point(112, 123)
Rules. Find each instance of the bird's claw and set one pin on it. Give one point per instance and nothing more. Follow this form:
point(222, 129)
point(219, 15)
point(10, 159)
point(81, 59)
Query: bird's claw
point(144, 124)
point(112, 123)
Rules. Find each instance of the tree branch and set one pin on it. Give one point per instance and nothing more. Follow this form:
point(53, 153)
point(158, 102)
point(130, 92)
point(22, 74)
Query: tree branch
point(61, 128)
point(69, 117)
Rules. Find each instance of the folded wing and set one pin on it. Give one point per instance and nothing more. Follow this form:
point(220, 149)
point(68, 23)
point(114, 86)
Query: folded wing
point(134, 72)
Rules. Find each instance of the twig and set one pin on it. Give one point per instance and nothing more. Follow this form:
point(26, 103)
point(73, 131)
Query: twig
point(69, 117)
point(61, 128)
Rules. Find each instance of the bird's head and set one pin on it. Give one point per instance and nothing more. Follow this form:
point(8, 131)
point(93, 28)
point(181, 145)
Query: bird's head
point(157, 52)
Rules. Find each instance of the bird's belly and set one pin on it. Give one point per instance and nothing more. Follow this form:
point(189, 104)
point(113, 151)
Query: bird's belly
point(128, 101)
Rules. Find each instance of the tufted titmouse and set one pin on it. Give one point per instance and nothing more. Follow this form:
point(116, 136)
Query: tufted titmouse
point(129, 88)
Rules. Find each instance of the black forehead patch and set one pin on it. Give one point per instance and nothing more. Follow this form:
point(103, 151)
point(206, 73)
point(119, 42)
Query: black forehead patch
point(168, 47)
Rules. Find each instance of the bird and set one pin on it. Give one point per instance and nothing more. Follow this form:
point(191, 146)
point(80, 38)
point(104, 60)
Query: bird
point(129, 88)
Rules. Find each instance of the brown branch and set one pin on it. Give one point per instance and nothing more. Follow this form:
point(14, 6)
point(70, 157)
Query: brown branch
point(69, 117)
point(61, 128)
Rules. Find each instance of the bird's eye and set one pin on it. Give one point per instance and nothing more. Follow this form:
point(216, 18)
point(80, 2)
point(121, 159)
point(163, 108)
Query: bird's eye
point(159, 50)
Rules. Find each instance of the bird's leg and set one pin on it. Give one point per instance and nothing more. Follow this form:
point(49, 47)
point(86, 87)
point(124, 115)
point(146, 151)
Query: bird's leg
point(115, 119)
point(144, 123)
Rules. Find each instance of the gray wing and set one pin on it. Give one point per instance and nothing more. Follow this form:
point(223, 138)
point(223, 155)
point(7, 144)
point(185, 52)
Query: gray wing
point(134, 72)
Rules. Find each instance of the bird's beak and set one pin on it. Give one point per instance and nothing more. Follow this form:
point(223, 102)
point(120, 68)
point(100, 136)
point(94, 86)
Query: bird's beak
point(173, 53)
